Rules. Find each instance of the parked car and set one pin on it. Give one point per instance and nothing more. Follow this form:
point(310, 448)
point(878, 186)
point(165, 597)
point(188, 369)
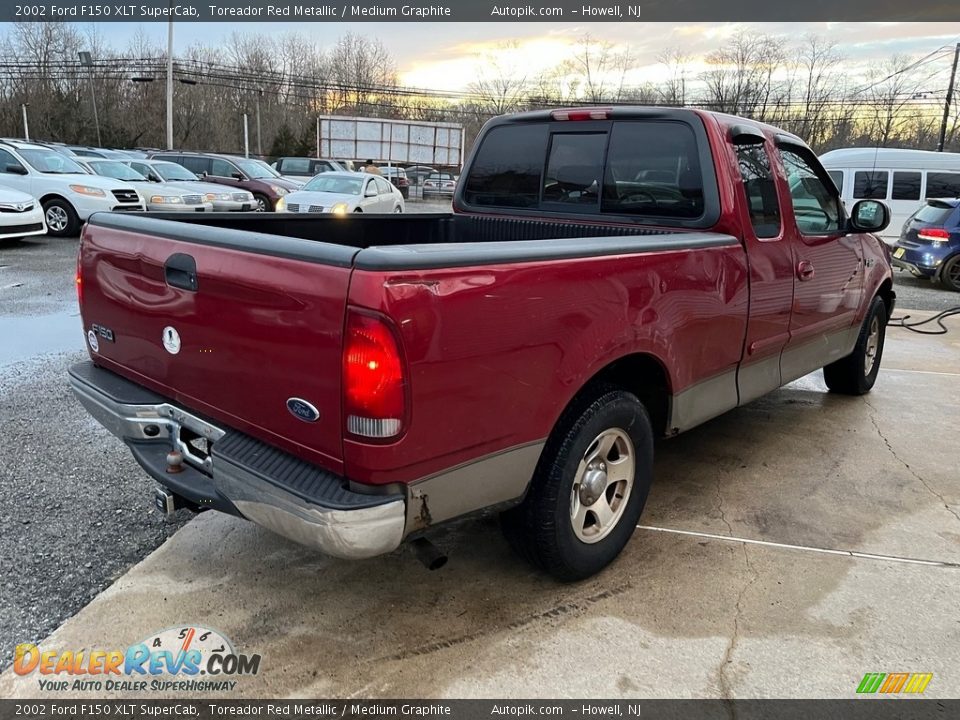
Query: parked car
point(177, 176)
point(242, 173)
point(521, 353)
point(301, 169)
point(418, 173)
point(398, 178)
point(20, 215)
point(66, 191)
point(903, 179)
point(439, 184)
point(157, 196)
point(343, 192)
point(929, 245)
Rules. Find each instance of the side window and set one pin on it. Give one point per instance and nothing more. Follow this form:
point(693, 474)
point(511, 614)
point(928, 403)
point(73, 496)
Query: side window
point(653, 169)
point(383, 186)
point(221, 168)
point(906, 186)
point(141, 168)
point(507, 168)
point(943, 185)
point(816, 205)
point(196, 165)
point(761, 190)
point(837, 177)
point(870, 185)
point(575, 168)
point(7, 159)
point(371, 186)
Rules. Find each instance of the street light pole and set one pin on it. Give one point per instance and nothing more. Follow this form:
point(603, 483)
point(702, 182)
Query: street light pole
point(87, 61)
point(170, 83)
point(246, 137)
point(946, 106)
point(26, 125)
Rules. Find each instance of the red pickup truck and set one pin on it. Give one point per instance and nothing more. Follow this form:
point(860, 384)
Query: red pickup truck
point(607, 276)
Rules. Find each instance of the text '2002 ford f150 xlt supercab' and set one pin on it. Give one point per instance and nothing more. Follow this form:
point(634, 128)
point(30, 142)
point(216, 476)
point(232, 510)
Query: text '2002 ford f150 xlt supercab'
point(608, 275)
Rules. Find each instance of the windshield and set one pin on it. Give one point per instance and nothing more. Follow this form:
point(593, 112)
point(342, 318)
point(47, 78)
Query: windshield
point(114, 169)
point(255, 169)
point(50, 161)
point(172, 171)
point(339, 185)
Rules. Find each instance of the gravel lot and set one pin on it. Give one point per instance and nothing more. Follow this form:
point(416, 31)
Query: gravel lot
point(77, 510)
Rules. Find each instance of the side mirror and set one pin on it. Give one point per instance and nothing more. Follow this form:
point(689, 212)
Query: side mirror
point(16, 169)
point(237, 176)
point(869, 216)
point(153, 177)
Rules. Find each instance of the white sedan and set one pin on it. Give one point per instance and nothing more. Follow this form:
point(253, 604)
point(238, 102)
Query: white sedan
point(20, 215)
point(341, 193)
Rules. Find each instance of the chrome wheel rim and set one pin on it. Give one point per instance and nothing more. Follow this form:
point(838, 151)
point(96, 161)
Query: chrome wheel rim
point(602, 485)
point(57, 218)
point(261, 205)
point(873, 345)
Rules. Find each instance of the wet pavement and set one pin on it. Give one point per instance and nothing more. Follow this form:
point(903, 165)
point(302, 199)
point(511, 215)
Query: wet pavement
point(805, 535)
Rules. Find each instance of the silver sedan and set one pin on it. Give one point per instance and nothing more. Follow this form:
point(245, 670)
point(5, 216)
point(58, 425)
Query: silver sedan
point(224, 199)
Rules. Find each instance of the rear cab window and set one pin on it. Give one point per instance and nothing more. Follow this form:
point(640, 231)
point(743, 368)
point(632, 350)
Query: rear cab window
point(657, 170)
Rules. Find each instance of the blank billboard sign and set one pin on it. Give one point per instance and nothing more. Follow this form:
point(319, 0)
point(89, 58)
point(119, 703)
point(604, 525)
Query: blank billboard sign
point(395, 141)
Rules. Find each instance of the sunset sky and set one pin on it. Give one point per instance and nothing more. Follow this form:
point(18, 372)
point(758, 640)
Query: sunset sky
point(447, 55)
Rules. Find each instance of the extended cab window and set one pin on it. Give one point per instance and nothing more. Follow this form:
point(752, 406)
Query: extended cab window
point(761, 190)
point(653, 168)
point(507, 169)
point(816, 205)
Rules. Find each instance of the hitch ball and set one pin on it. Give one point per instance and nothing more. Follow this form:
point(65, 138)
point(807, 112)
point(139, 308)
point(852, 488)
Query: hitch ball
point(174, 461)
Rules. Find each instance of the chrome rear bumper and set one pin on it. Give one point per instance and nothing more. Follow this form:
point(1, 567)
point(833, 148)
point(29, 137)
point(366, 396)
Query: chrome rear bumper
point(363, 527)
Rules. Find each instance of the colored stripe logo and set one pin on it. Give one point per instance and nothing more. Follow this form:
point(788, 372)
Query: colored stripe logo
point(893, 683)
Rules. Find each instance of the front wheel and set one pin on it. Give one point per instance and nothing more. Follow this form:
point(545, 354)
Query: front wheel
point(398, 209)
point(857, 372)
point(61, 218)
point(263, 203)
point(589, 488)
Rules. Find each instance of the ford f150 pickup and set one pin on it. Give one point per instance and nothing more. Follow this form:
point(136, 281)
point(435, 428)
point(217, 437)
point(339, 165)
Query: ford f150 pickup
point(608, 275)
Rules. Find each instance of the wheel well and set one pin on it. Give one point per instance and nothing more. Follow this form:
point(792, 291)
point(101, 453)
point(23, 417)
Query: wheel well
point(886, 294)
point(54, 196)
point(645, 377)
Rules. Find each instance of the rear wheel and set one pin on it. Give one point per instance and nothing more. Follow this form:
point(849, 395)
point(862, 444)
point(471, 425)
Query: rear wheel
point(950, 274)
point(61, 218)
point(856, 373)
point(589, 488)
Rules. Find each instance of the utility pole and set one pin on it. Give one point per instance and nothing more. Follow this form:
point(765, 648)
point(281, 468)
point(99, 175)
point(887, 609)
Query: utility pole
point(170, 83)
point(946, 106)
point(26, 125)
point(87, 61)
point(259, 143)
point(246, 137)
point(318, 137)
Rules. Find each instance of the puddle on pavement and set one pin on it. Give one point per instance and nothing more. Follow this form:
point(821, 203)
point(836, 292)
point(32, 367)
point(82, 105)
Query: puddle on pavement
point(23, 338)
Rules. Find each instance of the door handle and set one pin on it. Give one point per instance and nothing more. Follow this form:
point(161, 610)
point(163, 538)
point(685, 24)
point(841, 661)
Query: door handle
point(180, 271)
point(805, 270)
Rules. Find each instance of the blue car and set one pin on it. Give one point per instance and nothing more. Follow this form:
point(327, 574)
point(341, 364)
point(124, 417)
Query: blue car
point(929, 245)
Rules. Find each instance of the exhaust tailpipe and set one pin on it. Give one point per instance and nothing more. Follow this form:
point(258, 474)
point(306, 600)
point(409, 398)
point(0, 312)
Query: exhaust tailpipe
point(429, 554)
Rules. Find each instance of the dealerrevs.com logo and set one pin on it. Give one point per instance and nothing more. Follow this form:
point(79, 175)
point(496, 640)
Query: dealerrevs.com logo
point(178, 659)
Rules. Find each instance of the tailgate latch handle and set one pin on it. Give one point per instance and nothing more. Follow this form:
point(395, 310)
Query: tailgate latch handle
point(180, 271)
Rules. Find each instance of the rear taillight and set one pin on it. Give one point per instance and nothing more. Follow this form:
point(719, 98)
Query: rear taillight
point(934, 234)
point(79, 276)
point(374, 382)
point(582, 114)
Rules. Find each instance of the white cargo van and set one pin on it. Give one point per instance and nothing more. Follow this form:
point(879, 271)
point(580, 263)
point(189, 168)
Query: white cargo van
point(901, 178)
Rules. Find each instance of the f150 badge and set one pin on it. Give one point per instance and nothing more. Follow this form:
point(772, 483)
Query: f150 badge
point(302, 410)
point(171, 340)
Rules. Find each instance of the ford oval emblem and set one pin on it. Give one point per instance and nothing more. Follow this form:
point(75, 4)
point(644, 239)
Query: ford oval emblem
point(302, 410)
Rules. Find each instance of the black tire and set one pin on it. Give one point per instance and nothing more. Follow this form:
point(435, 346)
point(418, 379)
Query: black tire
point(61, 218)
point(950, 274)
point(849, 375)
point(263, 203)
point(541, 528)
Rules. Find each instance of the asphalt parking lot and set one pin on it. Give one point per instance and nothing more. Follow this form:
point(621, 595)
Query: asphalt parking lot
point(787, 548)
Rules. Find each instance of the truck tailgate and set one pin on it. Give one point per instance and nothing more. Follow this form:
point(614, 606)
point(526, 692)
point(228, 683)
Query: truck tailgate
point(261, 325)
